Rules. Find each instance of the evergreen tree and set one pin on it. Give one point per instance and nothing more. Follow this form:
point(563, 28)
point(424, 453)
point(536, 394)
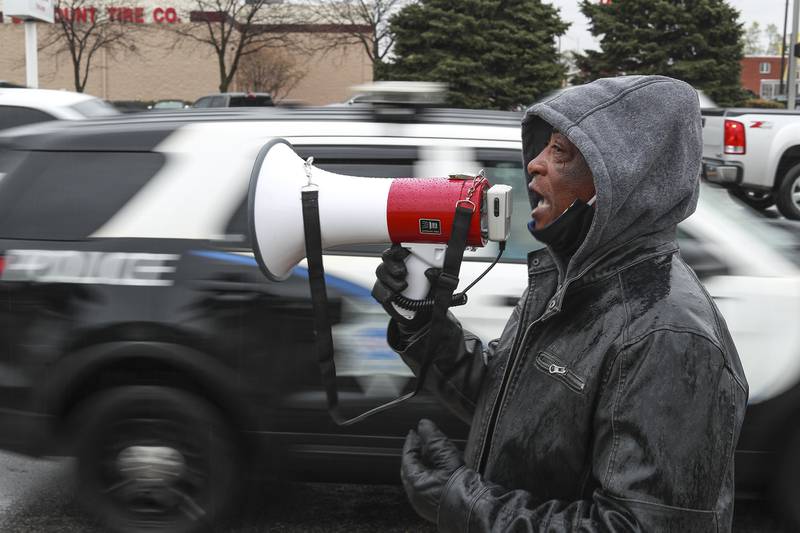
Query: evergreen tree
point(698, 41)
point(493, 54)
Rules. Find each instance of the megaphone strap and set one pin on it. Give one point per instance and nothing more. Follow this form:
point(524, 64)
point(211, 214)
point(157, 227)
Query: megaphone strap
point(323, 337)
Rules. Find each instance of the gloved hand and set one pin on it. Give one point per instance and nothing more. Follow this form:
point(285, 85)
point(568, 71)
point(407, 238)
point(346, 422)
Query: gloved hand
point(429, 459)
point(391, 274)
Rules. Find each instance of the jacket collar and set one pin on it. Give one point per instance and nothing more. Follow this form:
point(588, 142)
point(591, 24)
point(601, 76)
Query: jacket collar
point(540, 261)
point(609, 263)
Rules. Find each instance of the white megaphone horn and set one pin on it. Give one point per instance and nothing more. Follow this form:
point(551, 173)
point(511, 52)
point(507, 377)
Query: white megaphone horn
point(415, 212)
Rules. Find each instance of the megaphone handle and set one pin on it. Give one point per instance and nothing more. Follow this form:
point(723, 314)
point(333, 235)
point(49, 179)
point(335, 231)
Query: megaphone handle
point(422, 257)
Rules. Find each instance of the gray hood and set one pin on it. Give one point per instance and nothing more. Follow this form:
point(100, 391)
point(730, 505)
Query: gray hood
point(641, 136)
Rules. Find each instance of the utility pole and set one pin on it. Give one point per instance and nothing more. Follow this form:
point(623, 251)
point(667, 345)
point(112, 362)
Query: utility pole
point(31, 11)
point(783, 44)
point(792, 81)
point(31, 55)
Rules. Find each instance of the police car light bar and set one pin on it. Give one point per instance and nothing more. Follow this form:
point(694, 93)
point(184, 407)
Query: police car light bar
point(403, 93)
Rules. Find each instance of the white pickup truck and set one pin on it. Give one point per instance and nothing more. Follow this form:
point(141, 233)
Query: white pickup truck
point(755, 153)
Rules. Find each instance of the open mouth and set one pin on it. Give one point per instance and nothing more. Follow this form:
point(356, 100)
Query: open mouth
point(541, 204)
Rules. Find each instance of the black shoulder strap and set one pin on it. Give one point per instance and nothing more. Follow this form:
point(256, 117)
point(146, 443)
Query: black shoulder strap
point(443, 293)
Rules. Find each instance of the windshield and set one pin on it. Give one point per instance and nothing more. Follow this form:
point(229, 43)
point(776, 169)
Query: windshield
point(94, 108)
point(169, 104)
point(779, 234)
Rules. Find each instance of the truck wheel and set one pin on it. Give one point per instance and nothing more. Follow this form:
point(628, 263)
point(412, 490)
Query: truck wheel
point(788, 198)
point(756, 199)
point(155, 459)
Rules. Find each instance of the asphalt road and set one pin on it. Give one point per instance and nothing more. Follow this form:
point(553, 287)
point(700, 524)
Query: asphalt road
point(36, 496)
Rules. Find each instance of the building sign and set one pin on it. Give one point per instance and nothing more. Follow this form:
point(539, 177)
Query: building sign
point(121, 13)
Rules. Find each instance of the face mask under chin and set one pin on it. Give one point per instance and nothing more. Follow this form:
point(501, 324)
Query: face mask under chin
point(566, 233)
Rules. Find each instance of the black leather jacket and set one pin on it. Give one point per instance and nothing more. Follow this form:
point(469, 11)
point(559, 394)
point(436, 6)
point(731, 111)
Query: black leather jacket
point(612, 402)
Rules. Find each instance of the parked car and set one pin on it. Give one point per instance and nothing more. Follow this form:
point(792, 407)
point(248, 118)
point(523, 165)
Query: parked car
point(11, 85)
point(139, 334)
point(19, 107)
point(235, 100)
point(755, 153)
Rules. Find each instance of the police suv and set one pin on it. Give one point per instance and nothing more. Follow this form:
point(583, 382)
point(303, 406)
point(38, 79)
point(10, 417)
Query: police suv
point(139, 334)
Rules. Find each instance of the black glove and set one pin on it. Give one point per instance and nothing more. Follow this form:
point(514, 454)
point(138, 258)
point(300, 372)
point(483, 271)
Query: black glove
point(391, 274)
point(429, 459)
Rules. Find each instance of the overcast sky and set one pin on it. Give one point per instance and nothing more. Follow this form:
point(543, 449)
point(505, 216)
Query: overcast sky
point(578, 36)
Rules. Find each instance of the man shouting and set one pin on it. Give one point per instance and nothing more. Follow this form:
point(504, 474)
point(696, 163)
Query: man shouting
point(614, 398)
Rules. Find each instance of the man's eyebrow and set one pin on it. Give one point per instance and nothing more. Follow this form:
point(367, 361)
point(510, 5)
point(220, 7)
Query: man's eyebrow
point(558, 136)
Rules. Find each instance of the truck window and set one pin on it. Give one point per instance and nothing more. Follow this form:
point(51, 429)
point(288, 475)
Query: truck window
point(69, 195)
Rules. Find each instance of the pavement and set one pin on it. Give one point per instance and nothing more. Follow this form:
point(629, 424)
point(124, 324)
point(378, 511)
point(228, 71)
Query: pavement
point(37, 496)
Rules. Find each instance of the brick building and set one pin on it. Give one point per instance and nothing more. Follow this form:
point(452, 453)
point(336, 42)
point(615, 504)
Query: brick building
point(762, 74)
point(159, 66)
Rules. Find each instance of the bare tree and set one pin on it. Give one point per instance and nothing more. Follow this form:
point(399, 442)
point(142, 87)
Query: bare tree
point(357, 15)
point(236, 29)
point(84, 27)
point(752, 39)
point(774, 40)
point(269, 71)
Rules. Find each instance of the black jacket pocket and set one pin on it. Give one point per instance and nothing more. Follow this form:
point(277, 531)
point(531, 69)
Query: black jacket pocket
point(554, 367)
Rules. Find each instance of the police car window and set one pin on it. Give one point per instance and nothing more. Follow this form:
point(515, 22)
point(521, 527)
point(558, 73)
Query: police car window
point(12, 116)
point(70, 195)
point(505, 167)
point(364, 161)
point(217, 101)
point(203, 102)
point(9, 160)
point(237, 231)
point(699, 256)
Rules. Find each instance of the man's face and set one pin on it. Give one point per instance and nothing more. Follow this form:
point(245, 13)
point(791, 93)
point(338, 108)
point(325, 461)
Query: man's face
point(560, 176)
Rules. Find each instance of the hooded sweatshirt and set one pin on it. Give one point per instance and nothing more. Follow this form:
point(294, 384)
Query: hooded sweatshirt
point(645, 164)
point(614, 397)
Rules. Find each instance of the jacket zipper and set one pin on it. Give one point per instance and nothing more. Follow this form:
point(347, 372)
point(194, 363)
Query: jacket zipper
point(510, 366)
point(553, 366)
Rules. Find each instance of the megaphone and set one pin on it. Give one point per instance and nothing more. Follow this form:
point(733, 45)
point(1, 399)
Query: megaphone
point(415, 212)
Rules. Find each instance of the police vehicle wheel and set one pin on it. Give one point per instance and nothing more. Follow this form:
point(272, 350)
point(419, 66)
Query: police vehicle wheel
point(788, 197)
point(155, 459)
point(757, 200)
